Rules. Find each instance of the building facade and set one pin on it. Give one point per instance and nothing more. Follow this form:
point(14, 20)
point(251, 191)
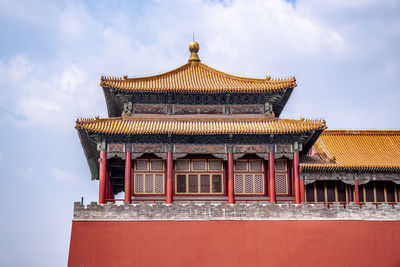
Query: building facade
point(195, 144)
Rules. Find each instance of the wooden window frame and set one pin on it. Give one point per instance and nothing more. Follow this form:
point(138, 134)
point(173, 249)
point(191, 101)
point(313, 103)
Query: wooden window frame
point(248, 171)
point(144, 183)
point(148, 165)
point(151, 165)
point(326, 193)
point(244, 183)
point(198, 184)
point(191, 163)
point(283, 172)
point(363, 191)
point(287, 184)
point(213, 160)
point(286, 165)
point(147, 172)
point(247, 165)
point(176, 164)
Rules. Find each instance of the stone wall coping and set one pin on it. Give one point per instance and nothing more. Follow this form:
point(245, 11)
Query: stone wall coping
point(208, 211)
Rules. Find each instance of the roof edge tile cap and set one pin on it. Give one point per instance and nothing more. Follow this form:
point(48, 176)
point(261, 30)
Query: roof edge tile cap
point(194, 48)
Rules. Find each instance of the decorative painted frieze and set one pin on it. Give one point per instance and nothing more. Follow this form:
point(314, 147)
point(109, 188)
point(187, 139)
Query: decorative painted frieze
point(197, 109)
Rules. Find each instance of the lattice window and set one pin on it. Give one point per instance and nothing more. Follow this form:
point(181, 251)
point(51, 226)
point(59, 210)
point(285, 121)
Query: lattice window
point(149, 183)
point(280, 165)
point(256, 165)
point(215, 165)
point(258, 184)
point(217, 183)
point(249, 184)
point(241, 165)
point(198, 165)
point(193, 183)
point(182, 165)
point(204, 183)
point(181, 183)
point(159, 183)
point(199, 183)
point(157, 165)
point(139, 183)
point(239, 184)
point(281, 184)
point(199, 176)
point(141, 165)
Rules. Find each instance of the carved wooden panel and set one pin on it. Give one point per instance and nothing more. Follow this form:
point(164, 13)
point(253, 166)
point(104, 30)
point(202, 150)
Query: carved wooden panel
point(149, 109)
point(200, 149)
point(247, 109)
point(115, 148)
point(197, 109)
point(250, 149)
point(149, 148)
point(283, 148)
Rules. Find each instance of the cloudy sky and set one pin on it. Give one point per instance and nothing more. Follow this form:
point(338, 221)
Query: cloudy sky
point(344, 54)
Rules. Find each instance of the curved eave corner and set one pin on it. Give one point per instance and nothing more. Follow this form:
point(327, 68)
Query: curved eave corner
point(90, 150)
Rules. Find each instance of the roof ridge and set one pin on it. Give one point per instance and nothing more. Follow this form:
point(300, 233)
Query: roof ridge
point(266, 79)
point(144, 78)
point(361, 132)
point(199, 65)
point(323, 151)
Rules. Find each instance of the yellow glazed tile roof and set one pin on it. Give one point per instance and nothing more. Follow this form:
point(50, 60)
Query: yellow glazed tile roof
point(200, 126)
point(197, 77)
point(355, 150)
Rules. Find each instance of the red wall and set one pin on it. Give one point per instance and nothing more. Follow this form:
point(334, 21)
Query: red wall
point(235, 243)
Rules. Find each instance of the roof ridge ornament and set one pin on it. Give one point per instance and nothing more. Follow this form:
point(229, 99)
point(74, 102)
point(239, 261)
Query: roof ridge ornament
point(194, 48)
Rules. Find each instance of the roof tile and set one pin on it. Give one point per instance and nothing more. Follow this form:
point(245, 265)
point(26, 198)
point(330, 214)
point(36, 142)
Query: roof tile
point(206, 126)
point(355, 150)
point(197, 77)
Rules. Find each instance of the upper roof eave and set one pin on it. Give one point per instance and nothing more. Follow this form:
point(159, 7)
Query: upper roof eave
point(197, 78)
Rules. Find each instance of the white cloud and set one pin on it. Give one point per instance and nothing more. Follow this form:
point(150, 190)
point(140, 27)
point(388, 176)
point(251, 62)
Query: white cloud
point(1, 156)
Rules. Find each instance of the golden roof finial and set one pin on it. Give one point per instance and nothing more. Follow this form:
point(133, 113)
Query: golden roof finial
point(194, 48)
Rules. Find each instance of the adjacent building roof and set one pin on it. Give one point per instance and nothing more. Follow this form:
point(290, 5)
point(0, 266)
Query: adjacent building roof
point(355, 150)
point(206, 125)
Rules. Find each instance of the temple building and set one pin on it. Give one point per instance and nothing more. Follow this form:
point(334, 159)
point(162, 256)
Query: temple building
point(196, 144)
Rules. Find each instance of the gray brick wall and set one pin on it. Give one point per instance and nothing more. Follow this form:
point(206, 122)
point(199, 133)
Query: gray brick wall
point(200, 211)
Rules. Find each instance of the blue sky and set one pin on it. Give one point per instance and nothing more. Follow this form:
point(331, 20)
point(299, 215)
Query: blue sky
point(344, 54)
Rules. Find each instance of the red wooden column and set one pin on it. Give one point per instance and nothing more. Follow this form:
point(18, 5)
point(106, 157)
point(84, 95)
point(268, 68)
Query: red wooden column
point(103, 177)
point(271, 174)
point(128, 174)
point(302, 195)
point(231, 188)
point(356, 192)
point(169, 189)
point(110, 196)
point(296, 170)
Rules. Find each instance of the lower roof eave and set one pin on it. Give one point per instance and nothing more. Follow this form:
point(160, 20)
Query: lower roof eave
point(355, 169)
